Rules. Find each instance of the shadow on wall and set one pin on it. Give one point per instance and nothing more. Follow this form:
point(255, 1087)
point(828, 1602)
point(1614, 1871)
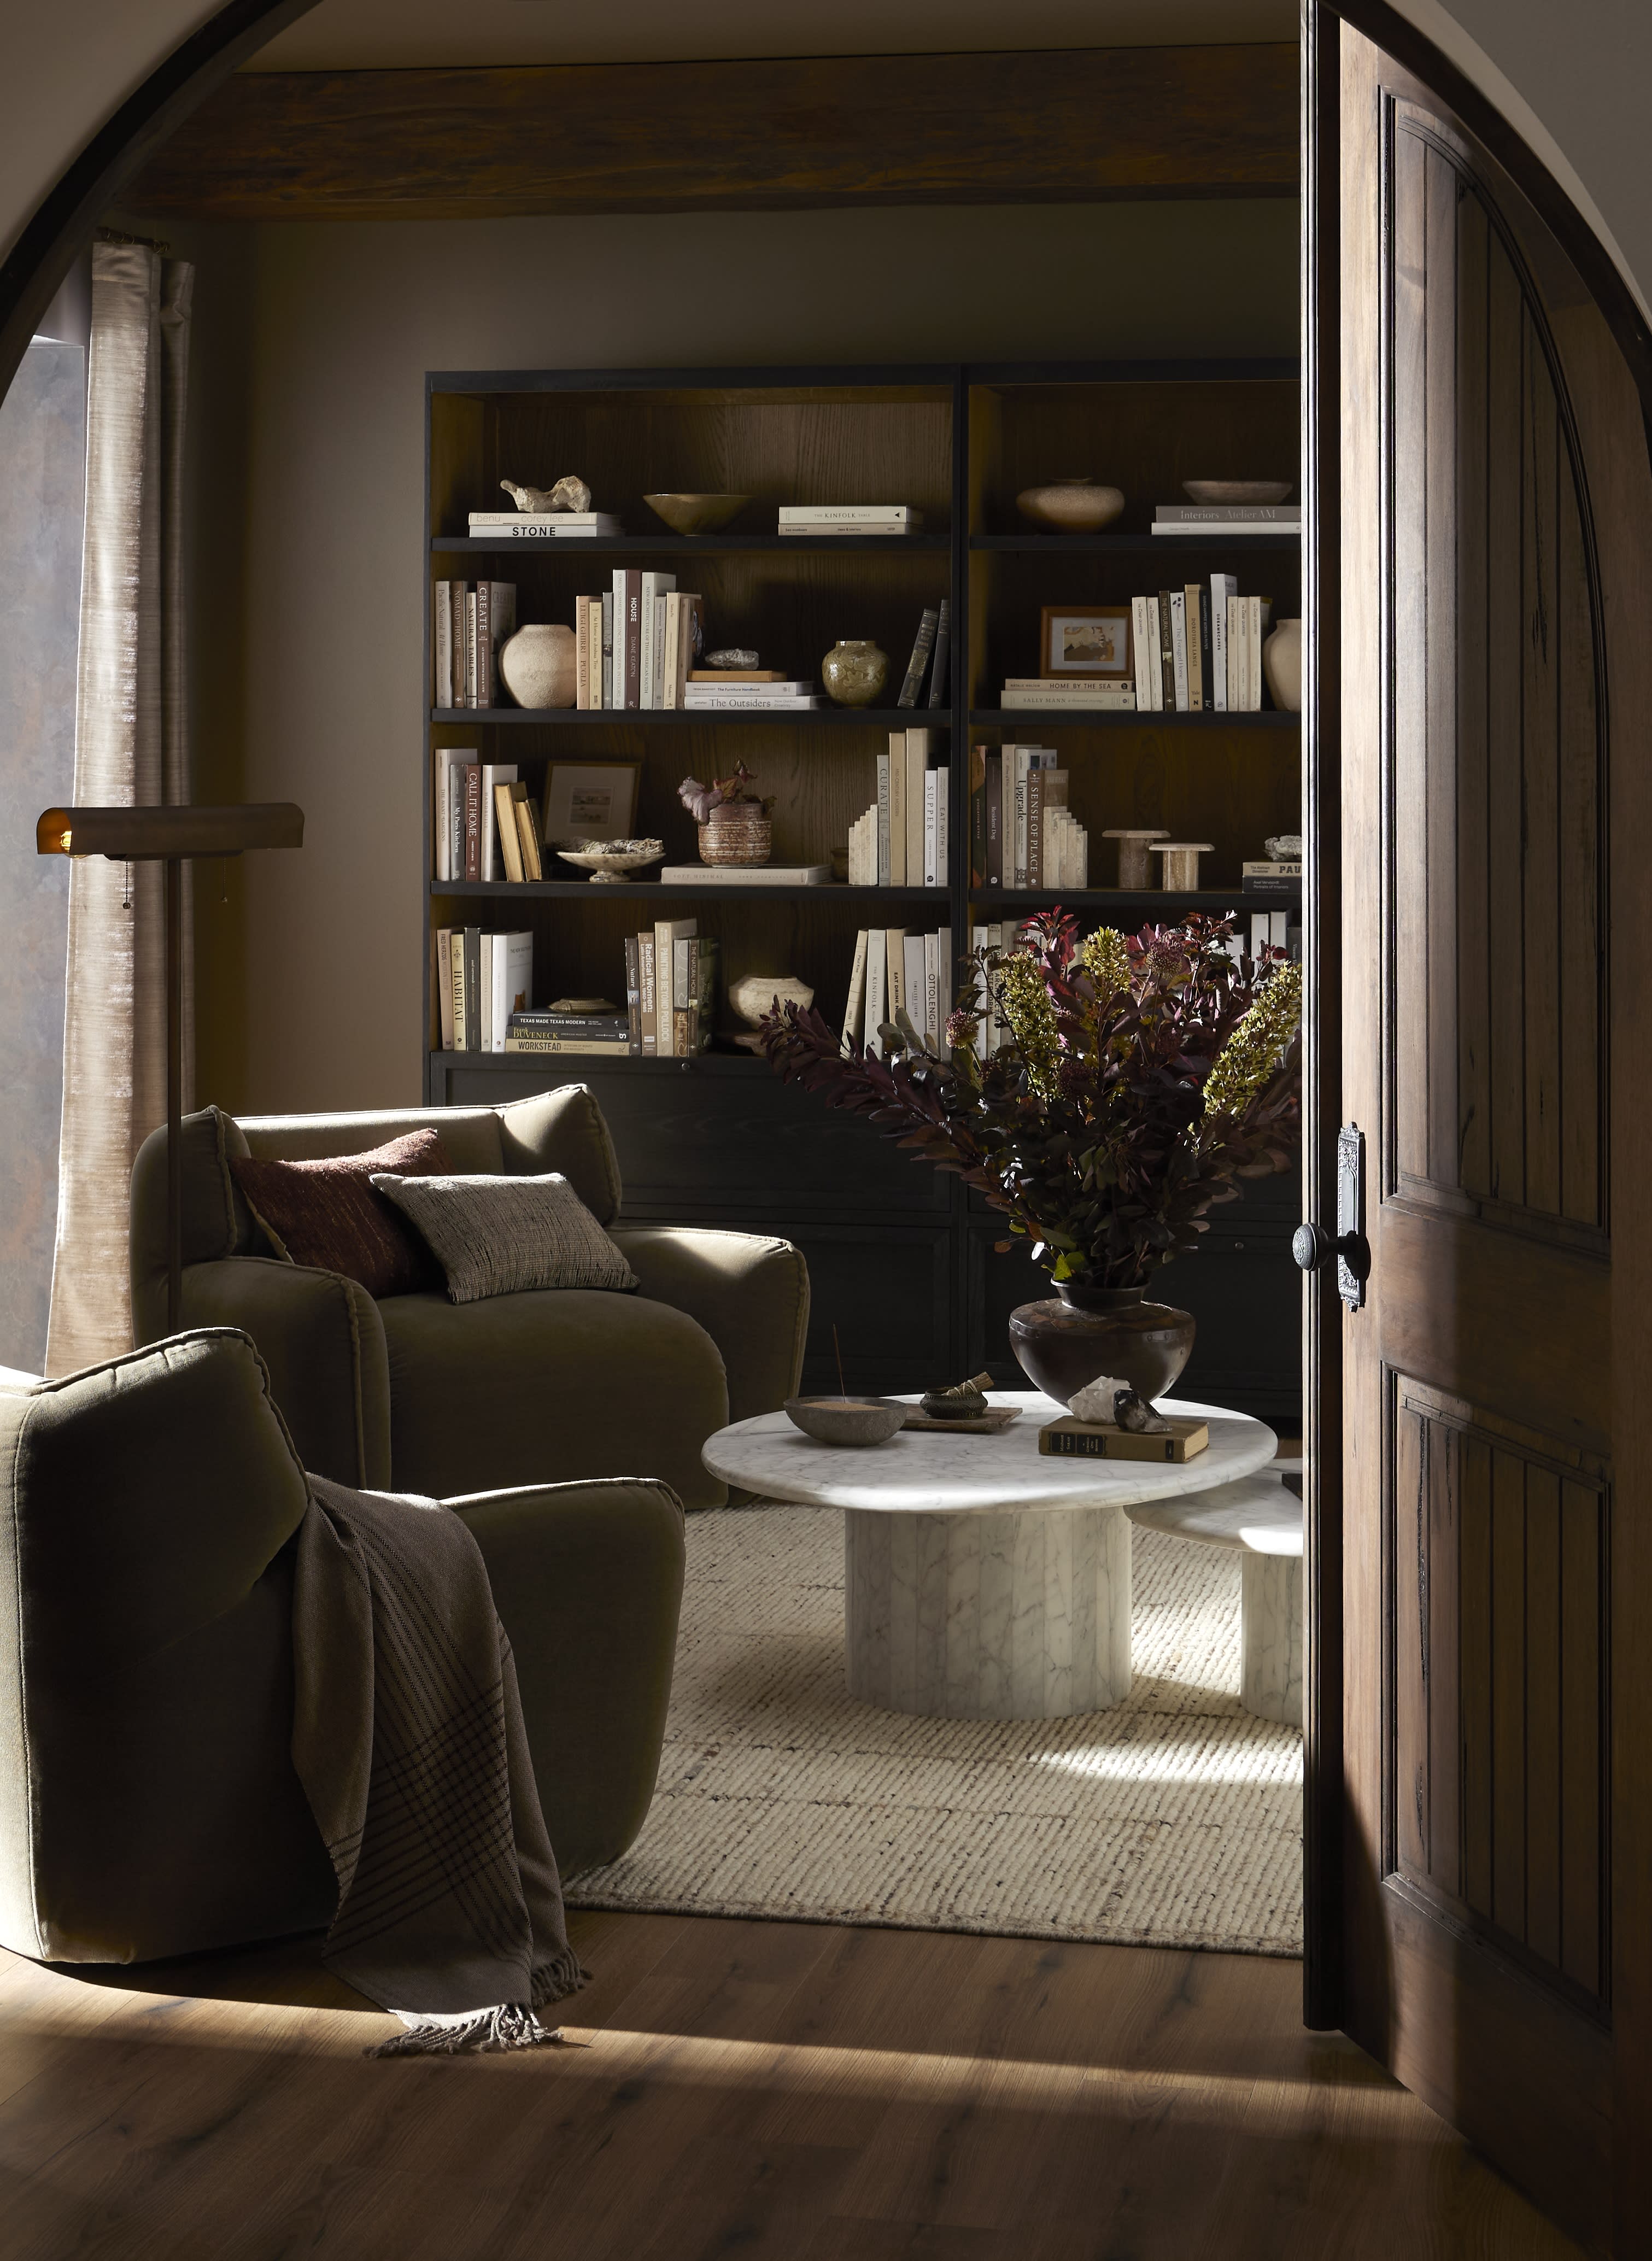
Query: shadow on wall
point(42, 511)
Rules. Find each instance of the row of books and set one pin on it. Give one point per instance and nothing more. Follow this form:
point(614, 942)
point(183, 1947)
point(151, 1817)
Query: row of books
point(481, 981)
point(1022, 833)
point(468, 626)
point(901, 979)
point(1196, 649)
point(903, 839)
point(1227, 518)
point(670, 985)
point(487, 824)
point(634, 645)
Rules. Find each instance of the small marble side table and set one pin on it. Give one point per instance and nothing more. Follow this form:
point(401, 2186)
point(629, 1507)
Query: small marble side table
point(982, 1581)
point(1261, 1518)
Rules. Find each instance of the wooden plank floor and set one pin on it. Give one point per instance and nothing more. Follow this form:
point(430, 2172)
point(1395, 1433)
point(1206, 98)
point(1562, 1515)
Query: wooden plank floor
point(792, 2090)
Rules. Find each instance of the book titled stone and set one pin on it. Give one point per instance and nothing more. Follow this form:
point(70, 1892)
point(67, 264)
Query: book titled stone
point(1070, 1439)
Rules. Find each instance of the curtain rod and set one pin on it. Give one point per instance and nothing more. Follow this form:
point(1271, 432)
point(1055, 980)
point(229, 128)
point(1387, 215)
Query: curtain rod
point(148, 242)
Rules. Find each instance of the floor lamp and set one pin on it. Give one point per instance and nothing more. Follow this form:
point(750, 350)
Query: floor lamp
point(172, 836)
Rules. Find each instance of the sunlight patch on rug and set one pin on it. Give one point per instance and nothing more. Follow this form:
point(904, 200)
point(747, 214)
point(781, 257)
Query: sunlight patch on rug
point(1173, 1820)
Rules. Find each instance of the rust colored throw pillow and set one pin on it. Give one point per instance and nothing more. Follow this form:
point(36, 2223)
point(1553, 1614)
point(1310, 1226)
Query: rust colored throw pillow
point(329, 1215)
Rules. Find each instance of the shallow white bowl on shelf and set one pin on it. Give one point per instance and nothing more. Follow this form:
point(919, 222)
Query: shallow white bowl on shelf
point(1212, 492)
point(612, 864)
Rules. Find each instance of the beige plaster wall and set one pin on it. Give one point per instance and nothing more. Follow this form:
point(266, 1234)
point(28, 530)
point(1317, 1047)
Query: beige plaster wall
point(312, 347)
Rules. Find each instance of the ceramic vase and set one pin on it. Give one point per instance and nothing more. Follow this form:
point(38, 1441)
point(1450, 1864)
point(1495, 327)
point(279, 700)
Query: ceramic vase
point(854, 673)
point(1281, 665)
point(536, 665)
point(1083, 1333)
point(737, 833)
point(1070, 506)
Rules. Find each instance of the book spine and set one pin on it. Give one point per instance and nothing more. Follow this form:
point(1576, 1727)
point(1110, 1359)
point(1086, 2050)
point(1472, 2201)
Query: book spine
point(484, 643)
point(1207, 648)
point(472, 989)
point(846, 514)
point(444, 986)
point(616, 642)
point(922, 646)
point(662, 600)
point(931, 777)
point(633, 699)
point(1178, 648)
point(582, 652)
point(505, 827)
point(918, 763)
point(647, 1003)
point(1167, 656)
point(877, 989)
point(670, 686)
point(977, 816)
point(457, 596)
point(1190, 631)
point(941, 666)
point(1034, 828)
point(455, 966)
point(607, 649)
point(993, 797)
point(1287, 516)
point(1139, 647)
point(943, 826)
point(854, 1010)
point(473, 819)
point(647, 696)
point(441, 647)
point(587, 1047)
point(1218, 644)
point(885, 791)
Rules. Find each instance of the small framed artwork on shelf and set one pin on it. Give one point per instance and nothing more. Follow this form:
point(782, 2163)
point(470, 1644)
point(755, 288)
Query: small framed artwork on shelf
point(1085, 643)
point(590, 800)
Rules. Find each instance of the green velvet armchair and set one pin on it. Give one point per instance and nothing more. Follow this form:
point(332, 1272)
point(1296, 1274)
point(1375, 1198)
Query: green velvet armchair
point(413, 1393)
point(149, 1805)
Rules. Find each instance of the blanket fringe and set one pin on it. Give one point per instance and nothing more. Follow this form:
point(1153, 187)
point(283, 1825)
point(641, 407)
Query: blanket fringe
point(508, 2026)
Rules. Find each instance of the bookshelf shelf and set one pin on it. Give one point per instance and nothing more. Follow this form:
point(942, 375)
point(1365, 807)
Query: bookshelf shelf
point(668, 717)
point(1128, 545)
point(1117, 898)
point(678, 545)
point(1096, 718)
point(901, 1257)
point(506, 890)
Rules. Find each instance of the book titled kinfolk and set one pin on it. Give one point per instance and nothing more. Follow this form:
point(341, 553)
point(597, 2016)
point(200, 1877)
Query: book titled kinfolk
point(848, 518)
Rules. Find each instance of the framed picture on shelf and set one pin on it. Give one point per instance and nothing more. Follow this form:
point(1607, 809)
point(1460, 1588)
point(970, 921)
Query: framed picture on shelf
point(1086, 642)
point(590, 800)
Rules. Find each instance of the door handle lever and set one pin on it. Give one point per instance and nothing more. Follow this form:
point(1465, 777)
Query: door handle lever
point(1312, 1248)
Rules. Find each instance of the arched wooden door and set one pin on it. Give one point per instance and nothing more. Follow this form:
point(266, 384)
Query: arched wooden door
point(1489, 1906)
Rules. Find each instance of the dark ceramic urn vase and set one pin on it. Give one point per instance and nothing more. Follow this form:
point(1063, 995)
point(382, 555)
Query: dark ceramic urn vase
point(1083, 1333)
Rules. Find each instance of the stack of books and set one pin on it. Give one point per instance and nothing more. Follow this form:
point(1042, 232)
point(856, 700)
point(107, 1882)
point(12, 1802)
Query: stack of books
point(634, 645)
point(1021, 832)
point(736, 690)
point(590, 1035)
point(486, 824)
point(904, 838)
point(540, 525)
point(848, 518)
point(1032, 694)
point(904, 980)
point(1275, 931)
point(1199, 648)
point(670, 978)
point(1266, 877)
point(481, 981)
point(1226, 518)
point(467, 629)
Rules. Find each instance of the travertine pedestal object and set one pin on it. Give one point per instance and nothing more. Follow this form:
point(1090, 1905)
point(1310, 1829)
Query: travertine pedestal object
point(1021, 1615)
point(983, 1580)
point(1262, 1520)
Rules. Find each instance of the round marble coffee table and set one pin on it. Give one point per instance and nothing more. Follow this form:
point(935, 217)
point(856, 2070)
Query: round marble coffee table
point(982, 1581)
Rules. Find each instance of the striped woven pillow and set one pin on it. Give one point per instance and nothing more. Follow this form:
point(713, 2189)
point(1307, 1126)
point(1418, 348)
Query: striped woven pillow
point(501, 1235)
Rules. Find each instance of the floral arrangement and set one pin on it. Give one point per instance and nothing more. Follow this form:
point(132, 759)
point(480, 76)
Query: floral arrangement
point(700, 800)
point(1143, 1075)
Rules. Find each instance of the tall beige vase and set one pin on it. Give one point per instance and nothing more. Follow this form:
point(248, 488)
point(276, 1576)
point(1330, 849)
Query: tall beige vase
point(1281, 665)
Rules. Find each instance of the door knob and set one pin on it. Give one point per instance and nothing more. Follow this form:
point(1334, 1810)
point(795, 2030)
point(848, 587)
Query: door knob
point(1312, 1248)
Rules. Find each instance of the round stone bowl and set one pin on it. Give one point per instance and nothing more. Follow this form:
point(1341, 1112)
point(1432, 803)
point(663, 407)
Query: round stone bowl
point(696, 514)
point(1232, 492)
point(846, 1420)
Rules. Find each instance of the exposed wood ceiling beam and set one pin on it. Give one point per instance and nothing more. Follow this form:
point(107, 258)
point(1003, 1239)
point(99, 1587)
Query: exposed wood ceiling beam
point(708, 136)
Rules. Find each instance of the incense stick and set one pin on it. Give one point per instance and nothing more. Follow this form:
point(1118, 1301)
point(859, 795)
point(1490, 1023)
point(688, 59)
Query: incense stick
point(837, 1353)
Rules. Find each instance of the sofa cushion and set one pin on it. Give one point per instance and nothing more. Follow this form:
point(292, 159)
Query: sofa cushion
point(562, 1129)
point(548, 1387)
point(327, 1216)
point(502, 1236)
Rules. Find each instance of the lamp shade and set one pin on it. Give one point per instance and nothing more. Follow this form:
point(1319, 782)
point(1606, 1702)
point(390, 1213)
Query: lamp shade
point(137, 835)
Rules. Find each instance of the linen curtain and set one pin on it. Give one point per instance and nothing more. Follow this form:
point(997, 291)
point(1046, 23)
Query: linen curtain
point(131, 748)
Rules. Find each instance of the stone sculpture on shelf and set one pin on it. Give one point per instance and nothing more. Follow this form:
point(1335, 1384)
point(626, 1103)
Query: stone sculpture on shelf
point(1110, 1400)
point(735, 656)
point(570, 493)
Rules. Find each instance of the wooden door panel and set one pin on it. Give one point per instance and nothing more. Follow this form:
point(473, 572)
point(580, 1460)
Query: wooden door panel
point(1494, 743)
point(1498, 1546)
point(1495, 522)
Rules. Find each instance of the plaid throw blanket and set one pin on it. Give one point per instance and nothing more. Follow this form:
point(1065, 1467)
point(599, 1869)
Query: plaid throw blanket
point(409, 1741)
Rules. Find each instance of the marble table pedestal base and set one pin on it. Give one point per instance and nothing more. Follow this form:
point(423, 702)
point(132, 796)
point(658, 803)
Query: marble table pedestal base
point(1021, 1614)
point(1270, 1616)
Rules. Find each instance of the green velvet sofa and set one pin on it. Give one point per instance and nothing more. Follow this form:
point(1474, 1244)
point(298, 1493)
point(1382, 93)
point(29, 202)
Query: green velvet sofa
point(416, 1393)
point(149, 1805)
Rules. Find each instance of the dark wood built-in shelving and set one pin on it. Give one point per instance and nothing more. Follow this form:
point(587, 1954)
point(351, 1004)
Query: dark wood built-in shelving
point(901, 1256)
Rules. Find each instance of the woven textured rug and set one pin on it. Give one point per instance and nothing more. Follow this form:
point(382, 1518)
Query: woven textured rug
point(1173, 1820)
